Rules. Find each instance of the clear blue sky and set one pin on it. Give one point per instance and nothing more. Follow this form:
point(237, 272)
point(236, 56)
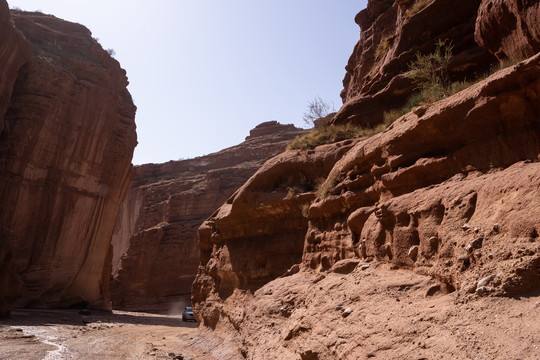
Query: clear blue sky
point(204, 72)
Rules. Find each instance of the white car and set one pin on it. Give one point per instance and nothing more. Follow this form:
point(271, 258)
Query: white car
point(187, 315)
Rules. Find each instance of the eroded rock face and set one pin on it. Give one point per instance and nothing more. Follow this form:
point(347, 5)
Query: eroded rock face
point(66, 151)
point(456, 153)
point(449, 197)
point(391, 34)
point(258, 234)
point(509, 28)
point(156, 251)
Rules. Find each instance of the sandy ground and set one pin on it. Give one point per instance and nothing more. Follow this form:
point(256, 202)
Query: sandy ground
point(392, 316)
point(378, 313)
point(66, 334)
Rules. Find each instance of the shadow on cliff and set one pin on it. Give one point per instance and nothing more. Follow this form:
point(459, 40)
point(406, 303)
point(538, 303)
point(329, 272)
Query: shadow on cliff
point(31, 317)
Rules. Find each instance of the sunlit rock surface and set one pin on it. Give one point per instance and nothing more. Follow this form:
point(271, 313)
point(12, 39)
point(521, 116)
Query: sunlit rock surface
point(66, 144)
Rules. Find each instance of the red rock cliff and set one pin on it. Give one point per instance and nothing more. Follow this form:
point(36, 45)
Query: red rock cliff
point(66, 146)
point(392, 33)
point(156, 252)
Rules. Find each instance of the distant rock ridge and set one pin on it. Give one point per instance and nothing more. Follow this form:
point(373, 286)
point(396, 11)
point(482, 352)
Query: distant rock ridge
point(155, 243)
point(67, 138)
point(269, 128)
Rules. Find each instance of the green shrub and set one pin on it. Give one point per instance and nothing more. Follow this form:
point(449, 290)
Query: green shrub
point(383, 45)
point(290, 193)
point(394, 114)
point(426, 96)
point(416, 99)
point(429, 74)
point(430, 71)
point(431, 78)
point(504, 63)
point(418, 5)
point(331, 134)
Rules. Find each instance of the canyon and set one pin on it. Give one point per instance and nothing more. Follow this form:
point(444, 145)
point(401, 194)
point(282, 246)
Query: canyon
point(419, 241)
point(155, 243)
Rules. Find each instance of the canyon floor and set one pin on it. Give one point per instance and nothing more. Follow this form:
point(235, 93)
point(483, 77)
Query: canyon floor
point(394, 315)
point(66, 334)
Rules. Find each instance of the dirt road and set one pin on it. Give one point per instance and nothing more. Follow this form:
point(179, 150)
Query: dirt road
point(67, 334)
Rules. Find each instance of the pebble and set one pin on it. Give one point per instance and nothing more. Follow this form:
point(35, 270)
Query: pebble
point(469, 249)
point(477, 243)
point(466, 227)
point(413, 252)
point(482, 290)
point(496, 228)
point(433, 242)
point(346, 312)
point(463, 257)
point(486, 281)
point(469, 288)
point(364, 267)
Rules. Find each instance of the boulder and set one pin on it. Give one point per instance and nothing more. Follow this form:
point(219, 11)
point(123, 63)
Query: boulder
point(509, 28)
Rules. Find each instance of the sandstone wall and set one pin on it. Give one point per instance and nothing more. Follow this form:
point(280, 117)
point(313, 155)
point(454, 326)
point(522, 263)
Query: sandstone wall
point(66, 151)
point(156, 252)
point(449, 192)
point(433, 171)
point(258, 234)
point(446, 199)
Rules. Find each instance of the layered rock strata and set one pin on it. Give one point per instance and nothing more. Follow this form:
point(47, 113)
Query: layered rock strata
point(156, 251)
point(392, 33)
point(66, 149)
